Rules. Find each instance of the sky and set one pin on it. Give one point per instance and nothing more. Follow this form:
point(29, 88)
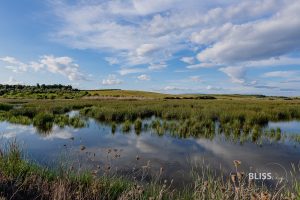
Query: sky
point(169, 46)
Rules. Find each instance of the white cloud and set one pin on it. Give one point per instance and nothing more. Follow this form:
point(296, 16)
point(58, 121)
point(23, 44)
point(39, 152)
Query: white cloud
point(141, 32)
point(209, 87)
point(169, 88)
point(158, 66)
point(282, 74)
point(112, 60)
point(144, 77)
point(36, 66)
point(13, 81)
point(189, 60)
point(271, 62)
point(236, 74)
point(62, 65)
point(14, 65)
point(211, 35)
point(145, 7)
point(145, 49)
point(195, 79)
point(258, 40)
point(111, 80)
point(239, 34)
point(125, 71)
point(57, 65)
point(202, 65)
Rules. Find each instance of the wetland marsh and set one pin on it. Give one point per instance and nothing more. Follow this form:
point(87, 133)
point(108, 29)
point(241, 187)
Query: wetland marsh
point(169, 139)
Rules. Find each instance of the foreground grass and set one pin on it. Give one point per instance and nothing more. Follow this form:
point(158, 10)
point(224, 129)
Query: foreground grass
point(21, 179)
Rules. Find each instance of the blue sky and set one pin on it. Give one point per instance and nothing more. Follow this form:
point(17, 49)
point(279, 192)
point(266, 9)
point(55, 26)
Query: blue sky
point(170, 46)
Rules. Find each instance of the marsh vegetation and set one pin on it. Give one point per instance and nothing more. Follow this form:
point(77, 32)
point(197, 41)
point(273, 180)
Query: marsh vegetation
point(238, 118)
point(187, 119)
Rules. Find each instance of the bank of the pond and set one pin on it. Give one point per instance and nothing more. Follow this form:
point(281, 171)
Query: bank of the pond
point(21, 179)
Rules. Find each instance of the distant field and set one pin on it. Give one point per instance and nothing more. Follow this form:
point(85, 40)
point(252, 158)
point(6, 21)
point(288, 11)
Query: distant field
point(58, 91)
point(126, 93)
point(155, 95)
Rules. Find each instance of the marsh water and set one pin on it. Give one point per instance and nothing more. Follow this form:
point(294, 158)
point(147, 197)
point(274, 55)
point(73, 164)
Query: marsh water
point(95, 147)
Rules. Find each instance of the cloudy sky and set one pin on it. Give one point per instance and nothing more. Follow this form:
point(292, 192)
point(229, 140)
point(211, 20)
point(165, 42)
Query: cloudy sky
point(171, 46)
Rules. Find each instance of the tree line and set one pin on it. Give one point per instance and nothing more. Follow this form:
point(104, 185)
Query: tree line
point(43, 88)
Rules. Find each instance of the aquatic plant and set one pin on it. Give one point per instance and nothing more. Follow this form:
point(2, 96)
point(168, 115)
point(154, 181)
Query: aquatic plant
point(126, 126)
point(113, 127)
point(76, 122)
point(138, 126)
point(43, 122)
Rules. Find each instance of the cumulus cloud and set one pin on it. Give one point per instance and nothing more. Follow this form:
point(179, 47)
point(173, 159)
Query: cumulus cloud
point(144, 77)
point(231, 36)
point(189, 60)
point(64, 66)
point(14, 65)
point(57, 65)
point(140, 32)
point(258, 40)
point(111, 80)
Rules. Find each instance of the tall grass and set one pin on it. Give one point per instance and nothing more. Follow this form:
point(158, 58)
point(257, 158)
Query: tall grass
point(194, 118)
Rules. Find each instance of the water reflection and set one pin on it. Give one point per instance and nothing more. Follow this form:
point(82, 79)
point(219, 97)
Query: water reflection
point(289, 127)
point(124, 152)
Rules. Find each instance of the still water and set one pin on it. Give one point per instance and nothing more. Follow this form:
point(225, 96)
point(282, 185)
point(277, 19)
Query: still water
point(95, 147)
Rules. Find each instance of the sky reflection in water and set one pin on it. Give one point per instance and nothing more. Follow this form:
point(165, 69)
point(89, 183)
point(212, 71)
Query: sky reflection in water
point(176, 156)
